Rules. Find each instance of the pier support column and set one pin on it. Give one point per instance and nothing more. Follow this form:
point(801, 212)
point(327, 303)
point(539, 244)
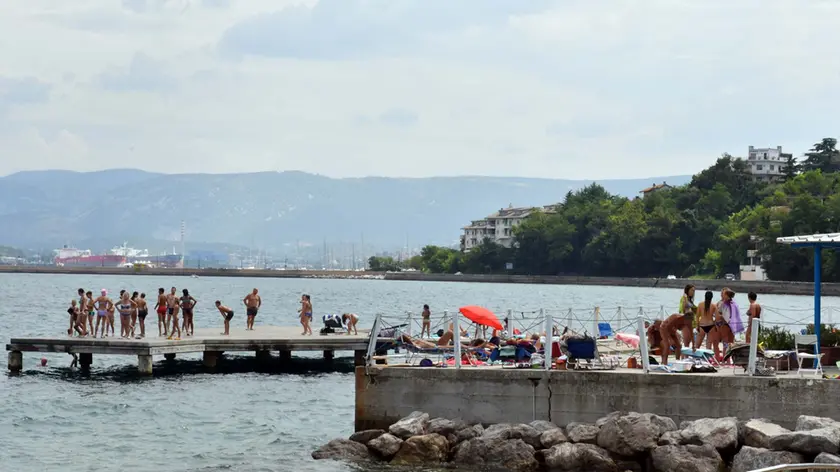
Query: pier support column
point(263, 355)
point(329, 355)
point(170, 356)
point(359, 358)
point(211, 358)
point(144, 364)
point(85, 360)
point(285, 356)
point(15, 361)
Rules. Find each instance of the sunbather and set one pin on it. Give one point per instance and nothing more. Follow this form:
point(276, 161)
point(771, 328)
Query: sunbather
point(445, 340)
point(669, 330)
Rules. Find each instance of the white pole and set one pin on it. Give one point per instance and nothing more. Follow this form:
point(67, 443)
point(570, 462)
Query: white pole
point(410, 323)
point(596, 333)
point(643, 345)
point(374, 337)
point(508, 327)
point(753, 346)
point(570, 320)
point(549, 339)
point(456, 338)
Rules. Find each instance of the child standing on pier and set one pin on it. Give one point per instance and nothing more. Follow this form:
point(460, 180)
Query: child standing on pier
point(227, 315)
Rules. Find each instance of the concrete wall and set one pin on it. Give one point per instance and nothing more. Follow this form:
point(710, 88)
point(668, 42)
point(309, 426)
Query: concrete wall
point(495, 396)
point(742, 286)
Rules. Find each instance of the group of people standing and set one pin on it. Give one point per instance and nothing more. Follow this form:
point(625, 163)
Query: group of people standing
point(133, 307)
point(712, 323)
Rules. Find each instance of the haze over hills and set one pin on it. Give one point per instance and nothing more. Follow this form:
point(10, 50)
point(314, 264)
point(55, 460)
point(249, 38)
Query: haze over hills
point(268, 210)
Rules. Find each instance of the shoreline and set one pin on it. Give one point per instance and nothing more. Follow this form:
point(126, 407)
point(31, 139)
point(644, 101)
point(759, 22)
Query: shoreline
point(768, 287)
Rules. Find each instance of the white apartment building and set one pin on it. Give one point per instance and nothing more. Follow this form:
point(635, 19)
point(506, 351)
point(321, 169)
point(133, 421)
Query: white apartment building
point(498, 227)
point(767, 164)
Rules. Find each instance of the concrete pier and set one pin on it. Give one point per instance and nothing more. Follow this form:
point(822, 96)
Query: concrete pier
point(329, 355)
point(262, 340)
point(384, 395)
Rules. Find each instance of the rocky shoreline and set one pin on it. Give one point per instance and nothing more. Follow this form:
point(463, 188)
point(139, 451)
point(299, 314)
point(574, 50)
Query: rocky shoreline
point(618, 442)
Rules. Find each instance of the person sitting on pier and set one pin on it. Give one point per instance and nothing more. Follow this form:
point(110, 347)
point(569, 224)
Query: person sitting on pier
point(349, 320)
point(669, 331)
point(103, 306)
point(227, 315)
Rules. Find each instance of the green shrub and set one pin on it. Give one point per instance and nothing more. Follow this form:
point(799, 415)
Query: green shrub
point(775, 338)
point(829, 336)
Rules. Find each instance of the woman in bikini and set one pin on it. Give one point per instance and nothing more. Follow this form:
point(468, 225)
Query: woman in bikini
point(306, 314)
point(350, 320)
point(705, 320)
point(134, 312)
point(103, 305)
point(126, 307)
point(686, 305)
point(723, 332)
point(427, 322)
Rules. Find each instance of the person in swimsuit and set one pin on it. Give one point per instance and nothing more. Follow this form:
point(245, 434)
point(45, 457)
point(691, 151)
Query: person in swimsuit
point(142, 312)
point(176, 308)
point(705, 320)
point(187, 305)
point(306, 314)
point(73, 311)
point(669, 330)
point(227, 315)
point(686, 305)
point(253, 302)
point(81, 318)
point(754, 311)
point(723, 332)
point(91, 311)
point(427, 322)
point(126, 307)
point(349, 320)
point(103, 305)
point(160, 309)
point(171, 306)
point(134, 296)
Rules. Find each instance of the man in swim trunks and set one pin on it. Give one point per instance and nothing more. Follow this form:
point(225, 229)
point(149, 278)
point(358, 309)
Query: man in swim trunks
point(227, 315)
point(754, 311)
point(670, 329)
point(252, 306)
point(171, 306)
point(83, 311)
point(160, 308)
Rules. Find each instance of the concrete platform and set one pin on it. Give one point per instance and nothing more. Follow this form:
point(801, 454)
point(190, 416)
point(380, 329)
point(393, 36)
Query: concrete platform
point(210, 341)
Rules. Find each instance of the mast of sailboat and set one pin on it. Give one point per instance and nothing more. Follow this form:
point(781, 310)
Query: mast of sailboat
point(183, 232)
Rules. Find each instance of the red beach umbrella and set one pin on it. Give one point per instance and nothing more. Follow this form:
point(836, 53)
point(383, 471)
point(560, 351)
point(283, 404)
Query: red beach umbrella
point(481, 315)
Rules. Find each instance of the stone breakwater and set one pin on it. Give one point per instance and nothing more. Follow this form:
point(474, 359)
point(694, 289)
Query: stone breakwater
point(618, 442)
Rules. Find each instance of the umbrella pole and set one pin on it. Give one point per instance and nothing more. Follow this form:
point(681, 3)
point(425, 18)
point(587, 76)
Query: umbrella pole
point(456, 338)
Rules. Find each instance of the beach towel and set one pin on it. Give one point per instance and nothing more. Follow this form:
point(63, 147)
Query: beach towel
point(735, 317)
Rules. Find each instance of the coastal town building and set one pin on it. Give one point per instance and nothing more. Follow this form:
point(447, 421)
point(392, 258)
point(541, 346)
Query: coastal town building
point(498, 227)
point(753, 270)
point(654, 188)
point(767, 164)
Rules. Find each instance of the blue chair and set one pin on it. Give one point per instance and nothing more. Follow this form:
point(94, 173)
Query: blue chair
point(605, 330)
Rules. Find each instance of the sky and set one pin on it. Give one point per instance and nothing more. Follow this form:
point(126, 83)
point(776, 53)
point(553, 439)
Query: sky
point(576, 89)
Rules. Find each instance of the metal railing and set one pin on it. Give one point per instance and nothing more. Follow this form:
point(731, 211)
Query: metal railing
point(793, 467)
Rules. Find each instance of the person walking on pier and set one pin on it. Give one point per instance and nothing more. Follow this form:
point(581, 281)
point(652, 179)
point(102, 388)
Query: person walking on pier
point(253, 302)
point(187, 305)
point(227, 315)
point(142, 312)
point(306, 314)
point(160, 309)
point(103, 305)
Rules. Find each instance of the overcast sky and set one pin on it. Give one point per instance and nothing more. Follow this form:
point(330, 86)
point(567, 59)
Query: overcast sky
point(566, 89)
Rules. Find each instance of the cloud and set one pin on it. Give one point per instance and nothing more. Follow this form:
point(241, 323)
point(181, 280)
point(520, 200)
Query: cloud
point(338, 87)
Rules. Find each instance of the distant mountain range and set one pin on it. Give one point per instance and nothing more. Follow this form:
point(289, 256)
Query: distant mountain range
point(269, 210)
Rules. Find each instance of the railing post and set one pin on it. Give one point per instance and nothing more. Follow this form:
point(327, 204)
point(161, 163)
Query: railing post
point(549, 339)
point(456, 338)
point(374, 337)
point(643, 344)
point(596, 333)
point(756, 323)
point(410, 323)
point(507, 323)
point(571, 316)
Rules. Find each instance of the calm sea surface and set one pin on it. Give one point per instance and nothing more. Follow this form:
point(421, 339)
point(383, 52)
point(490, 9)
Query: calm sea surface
point(56, 419)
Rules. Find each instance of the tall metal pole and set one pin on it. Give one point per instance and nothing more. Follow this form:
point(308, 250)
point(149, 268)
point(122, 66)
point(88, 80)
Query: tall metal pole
point(817, 292)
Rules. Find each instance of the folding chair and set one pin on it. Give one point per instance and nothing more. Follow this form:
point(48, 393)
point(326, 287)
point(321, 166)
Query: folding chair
point(808, 340)
point(605, 331)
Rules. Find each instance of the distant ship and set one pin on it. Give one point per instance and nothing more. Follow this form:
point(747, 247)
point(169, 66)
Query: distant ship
point(72, 257)
point(142, 256)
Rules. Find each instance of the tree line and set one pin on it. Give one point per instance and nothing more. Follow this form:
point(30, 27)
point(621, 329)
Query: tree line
point(701, 229)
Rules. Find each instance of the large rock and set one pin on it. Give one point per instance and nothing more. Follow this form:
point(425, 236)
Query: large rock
point(670, 438)
point(424, 449)
point(342, 450)
point(367, 435)
point(552, 437)
point(505, 431)
point(444, 427)
point(582, 433)
point(543, 426)
point(758, 432)
point(465, 434)
point(512, 454)
point(826, 458)
point(412, 425)
point(809, 442)
point(808, 423)
point(633, 433)
point(385, 446)
point(688, 458)
point(722, 433)
point(578, 457)
point(752, 458)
